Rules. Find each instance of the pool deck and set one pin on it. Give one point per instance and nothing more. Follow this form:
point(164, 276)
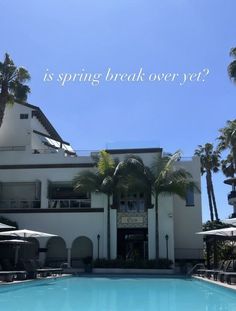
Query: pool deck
point(225, 285)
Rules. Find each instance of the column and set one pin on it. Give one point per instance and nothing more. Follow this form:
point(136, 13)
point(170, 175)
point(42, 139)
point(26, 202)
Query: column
point(69, 257)
point(44, 193)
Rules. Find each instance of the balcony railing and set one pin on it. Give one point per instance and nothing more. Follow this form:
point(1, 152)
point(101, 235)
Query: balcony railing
point(132, 206)
point(69, 203)
point(14, 204)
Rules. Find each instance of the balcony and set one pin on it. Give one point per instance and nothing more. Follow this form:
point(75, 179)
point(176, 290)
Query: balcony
point(132, 206)
point(232, 198)
point(69, 203)
point(19, 204)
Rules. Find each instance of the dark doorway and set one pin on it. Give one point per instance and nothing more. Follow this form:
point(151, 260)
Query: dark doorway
point(132, 243)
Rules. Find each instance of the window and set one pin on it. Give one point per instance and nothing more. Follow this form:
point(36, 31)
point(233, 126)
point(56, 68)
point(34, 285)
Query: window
point(132, 203)
point(190, 197)
point(24, 116)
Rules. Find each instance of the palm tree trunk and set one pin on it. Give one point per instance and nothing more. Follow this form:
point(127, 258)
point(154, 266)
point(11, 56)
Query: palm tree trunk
point(234, 158)
point(157, 227)
point(209, 196)
point(213, 197)
point(3, 101)
point(108, 229)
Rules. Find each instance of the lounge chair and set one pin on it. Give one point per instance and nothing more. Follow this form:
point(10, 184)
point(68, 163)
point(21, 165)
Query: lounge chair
point(7, 266)
point(228, 276)
point(228, 268)
point(26, 266)
point(7, 276)
point(229, 273)
point(49, 270)
point(44, 272)
point(212, 272)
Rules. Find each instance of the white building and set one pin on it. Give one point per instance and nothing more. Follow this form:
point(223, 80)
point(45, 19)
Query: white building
point(36, 170)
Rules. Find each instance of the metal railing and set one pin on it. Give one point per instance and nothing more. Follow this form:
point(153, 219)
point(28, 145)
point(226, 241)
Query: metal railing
point(195, 268)
point(69, 203)
point(132, 206)
point(12, 204)
point(232, 195)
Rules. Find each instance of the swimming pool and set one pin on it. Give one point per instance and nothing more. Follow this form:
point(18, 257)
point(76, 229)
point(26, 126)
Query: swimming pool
point(117, 294)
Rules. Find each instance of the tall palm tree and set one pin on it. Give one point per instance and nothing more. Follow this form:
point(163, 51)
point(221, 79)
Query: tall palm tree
point(210, 162)
point(227, 166)
point(227, 140)
point(102, 180)
point(232, 66)
point(12, 87)
point(112, 177)
point(168, 180)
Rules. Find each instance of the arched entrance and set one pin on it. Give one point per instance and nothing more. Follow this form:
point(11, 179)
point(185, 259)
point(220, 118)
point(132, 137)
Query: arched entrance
point(82, 247)
point(56, 251)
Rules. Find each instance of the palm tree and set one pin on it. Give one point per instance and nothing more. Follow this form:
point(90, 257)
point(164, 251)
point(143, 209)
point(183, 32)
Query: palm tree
point(227, 140)
point(102, 180)
point(210, 162)
point(232, 66)
point(12, 87)
point(227, 166)
point(112, 177)
point(168, 180)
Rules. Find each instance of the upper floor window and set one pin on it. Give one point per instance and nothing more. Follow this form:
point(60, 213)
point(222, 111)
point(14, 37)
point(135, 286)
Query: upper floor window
point(190, 197)
point(132, 203)
point(24, 116)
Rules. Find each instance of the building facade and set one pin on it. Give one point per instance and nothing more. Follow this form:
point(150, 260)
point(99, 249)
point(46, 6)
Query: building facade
point(36, 171)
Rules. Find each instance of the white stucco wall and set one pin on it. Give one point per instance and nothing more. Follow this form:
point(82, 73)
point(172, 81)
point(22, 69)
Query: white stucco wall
point(12, 124)
point(69, 226)
point(188, 219)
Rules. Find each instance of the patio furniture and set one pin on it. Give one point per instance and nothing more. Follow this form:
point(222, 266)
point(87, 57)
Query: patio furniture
point(44, 271)
point(7, 276)
point(7, 266)
point(26, 266)
point(213, 272)
point(228, 277)
point(228, 268)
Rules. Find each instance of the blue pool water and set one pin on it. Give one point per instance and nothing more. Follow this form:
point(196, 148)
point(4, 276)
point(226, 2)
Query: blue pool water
point(117, 294)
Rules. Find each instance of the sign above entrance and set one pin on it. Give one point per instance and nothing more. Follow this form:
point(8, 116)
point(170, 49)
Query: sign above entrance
point(135, 220)
point(132, 220)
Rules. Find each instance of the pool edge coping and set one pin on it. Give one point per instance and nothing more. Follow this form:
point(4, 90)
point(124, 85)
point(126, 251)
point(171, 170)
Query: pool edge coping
point(224, 285)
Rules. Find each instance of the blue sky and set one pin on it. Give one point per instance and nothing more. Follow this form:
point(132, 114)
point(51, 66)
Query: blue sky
point(161, 36)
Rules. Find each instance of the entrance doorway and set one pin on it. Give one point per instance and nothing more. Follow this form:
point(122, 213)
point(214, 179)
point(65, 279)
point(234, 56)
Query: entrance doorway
point(132, 243)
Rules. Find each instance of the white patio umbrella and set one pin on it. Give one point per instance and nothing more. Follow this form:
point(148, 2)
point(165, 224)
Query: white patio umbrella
point(231, 221)
point(231, 231)
point(3, 226)
point(17, 243)
point(24, 233)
